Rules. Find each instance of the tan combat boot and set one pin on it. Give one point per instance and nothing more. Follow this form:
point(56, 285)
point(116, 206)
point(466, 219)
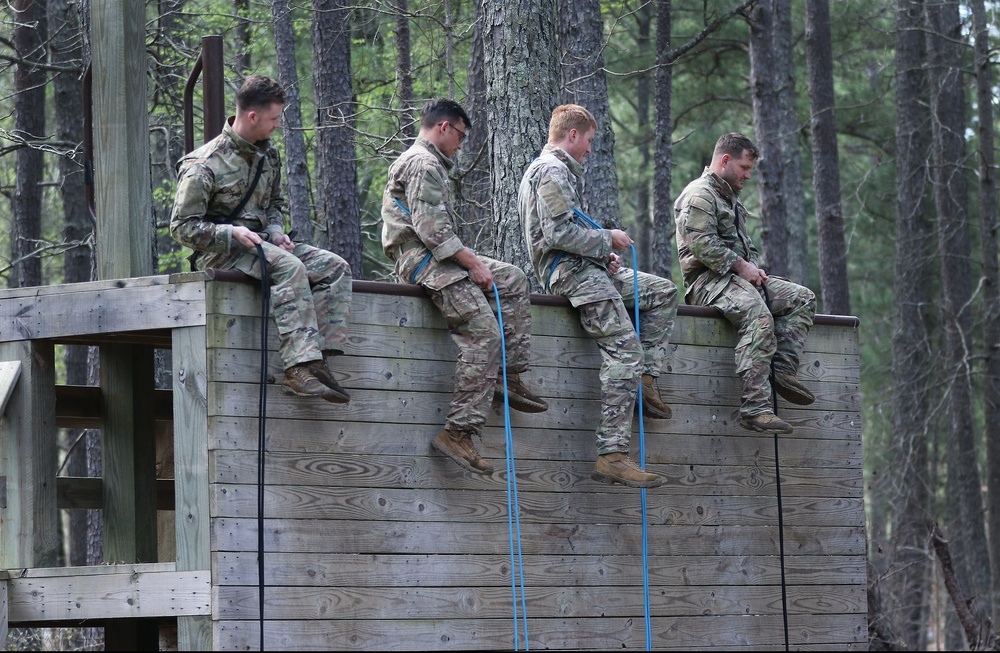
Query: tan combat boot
point(766, 423)
point(619, 468)
point(458, 446)
point(519, 397)
point(299, 380)
point(652, 404)
point(791, 389)
point(336, 394)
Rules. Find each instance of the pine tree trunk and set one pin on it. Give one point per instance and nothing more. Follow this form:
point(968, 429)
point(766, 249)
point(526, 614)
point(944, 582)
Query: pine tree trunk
point(522, 78)
point(404, 79)
point(663, 206)
point(473, 187)
point(336, 169)
point(772, 80)
point(643, 91)
point(296, 168)
point(963, 497)
point(581, 42)
point(836, 294)
point(905, 490)
point(30, 34)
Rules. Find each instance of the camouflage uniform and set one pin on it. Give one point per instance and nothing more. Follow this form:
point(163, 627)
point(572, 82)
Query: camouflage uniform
point(571, 259)
point(310, 287)
point(711, 236)
point(418, 179)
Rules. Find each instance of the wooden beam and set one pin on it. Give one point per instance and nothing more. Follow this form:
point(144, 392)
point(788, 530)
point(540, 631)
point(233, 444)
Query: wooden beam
point(79, 406)
point(50, 596)
point(85, 493)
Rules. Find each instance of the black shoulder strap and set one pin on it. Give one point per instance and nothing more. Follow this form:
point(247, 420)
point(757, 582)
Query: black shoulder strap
point(192, 260)
point(253, 185)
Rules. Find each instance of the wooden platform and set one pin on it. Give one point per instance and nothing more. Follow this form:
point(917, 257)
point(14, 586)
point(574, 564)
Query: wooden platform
point(374, 541)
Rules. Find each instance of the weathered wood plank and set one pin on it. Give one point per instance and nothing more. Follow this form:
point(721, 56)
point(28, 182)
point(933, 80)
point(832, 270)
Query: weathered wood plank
point(591, 633)
point(350, 470)
point(124, 308)
point(574, 540)
point(488, 505)
point(240, 602)
point(413, 408)
point(109, 592)
point(423, 363)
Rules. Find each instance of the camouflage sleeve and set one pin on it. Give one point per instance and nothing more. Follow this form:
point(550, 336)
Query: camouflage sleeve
point(562, 230)
point(427, 198)
point(753, 255)
point(188, 226)
point(701, 233)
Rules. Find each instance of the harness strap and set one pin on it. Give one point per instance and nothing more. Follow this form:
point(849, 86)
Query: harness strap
point(427, 257)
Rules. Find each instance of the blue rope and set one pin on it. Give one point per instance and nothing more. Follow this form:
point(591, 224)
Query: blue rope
point(642, 465)
point(427, 257)
point(512, 503)
point(642, 441)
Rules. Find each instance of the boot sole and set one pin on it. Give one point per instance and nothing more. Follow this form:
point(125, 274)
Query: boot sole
point(794, 396)
point(652, 413)
point(330, 395)
point(462, 462)
point(611, 480)
point(518, 403)
point(763, 430)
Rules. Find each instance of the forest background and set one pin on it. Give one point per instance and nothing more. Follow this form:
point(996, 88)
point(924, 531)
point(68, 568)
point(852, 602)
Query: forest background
point(876, 188)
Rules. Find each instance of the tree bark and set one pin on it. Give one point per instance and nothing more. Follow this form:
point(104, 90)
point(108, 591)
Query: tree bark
point(404, 78)
point(643, 92)
point(473, 176)
point(581, 42)
point(296, 160)
point(522, 79)
point(835, 292)
point(906, 491)
point(243, 34)
point(663, 206)
point(772, 80)
point(963, 497)
point(336, 167)
point(991, 289)
point(30, 34)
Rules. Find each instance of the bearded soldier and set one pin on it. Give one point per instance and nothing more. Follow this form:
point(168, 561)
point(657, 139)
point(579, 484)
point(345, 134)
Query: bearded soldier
point(771, 314)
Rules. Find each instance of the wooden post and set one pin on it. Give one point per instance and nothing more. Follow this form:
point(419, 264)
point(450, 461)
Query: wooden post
point(29, 520)
point(124, 249)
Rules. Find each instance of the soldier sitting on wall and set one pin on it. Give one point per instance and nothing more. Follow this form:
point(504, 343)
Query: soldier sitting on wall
point(229, 200)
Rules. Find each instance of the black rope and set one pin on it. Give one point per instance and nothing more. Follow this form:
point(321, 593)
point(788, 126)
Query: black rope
point(777, 479)
point(265, 303)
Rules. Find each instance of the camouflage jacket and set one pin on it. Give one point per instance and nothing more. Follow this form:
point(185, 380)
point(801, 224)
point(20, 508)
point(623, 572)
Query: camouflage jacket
point(211, 182)
point(711, 234)
point(419, 181)
point(558, 242)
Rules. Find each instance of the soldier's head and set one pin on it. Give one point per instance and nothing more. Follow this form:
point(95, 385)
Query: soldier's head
point(572, 128)
point(444, 123)
point(733, 159)
point(259, 103)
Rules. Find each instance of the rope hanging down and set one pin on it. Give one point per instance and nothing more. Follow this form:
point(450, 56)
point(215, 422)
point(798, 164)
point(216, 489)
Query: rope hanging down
point(777, 480)
point(513, 513)
point(642, 438)
point(265, 303)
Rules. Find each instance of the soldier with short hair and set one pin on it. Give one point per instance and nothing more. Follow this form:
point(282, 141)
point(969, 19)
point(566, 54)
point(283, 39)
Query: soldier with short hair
point(772, 315)
point(419, 233)
point(576, 259)
point(216, 214)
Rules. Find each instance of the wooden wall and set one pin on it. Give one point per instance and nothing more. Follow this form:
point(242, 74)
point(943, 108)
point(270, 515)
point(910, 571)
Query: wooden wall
point(375, 541)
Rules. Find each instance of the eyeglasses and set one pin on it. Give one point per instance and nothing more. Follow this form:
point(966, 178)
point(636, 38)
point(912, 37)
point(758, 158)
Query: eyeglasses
point(461, 134)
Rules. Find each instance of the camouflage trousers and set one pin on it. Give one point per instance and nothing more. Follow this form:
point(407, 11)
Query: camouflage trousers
point(765, 334)
point(310, 299)
point(625, 356)
point(470, 313)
